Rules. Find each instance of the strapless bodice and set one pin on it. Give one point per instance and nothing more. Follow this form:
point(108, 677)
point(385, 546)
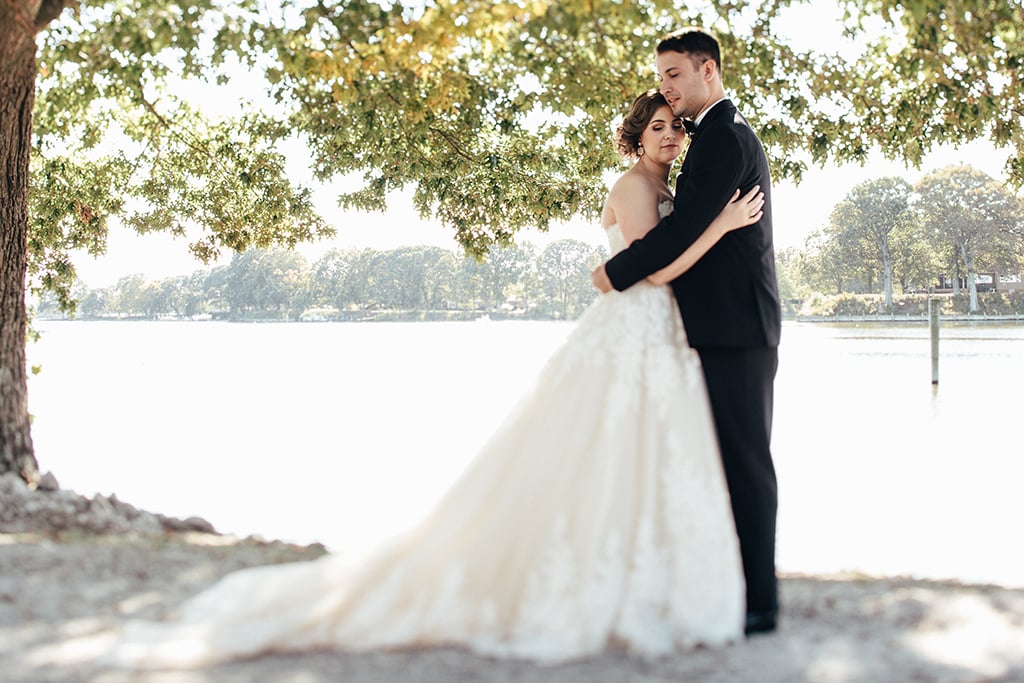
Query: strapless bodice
point(617, 241)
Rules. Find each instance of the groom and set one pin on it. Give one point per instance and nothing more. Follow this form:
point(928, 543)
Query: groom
point(728, 300)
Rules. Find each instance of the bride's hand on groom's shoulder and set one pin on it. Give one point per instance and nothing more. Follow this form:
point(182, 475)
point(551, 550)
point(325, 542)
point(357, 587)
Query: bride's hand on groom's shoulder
point(599, 276)
point(743, 211)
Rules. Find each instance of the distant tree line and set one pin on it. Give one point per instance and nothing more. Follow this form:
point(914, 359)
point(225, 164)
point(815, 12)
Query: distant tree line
point(957, 231)
point(417, 282)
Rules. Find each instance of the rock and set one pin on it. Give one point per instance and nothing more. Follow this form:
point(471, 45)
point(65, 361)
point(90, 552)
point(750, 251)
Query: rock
point(147, 524)
point(48, 483)
point(12, 484)
point(200, 524)
point(102, 507)
point(50, 510)
point(191, 524)
point(126, 509)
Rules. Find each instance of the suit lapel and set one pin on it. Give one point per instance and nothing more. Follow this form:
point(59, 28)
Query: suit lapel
point(722, 110)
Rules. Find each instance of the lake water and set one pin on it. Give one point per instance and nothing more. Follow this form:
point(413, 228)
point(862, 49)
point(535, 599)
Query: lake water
point(343, 433)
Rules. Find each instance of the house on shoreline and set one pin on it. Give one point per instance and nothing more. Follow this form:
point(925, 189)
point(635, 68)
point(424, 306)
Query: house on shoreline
point(984, 282)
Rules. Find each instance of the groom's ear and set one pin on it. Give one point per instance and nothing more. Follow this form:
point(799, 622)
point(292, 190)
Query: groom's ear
point(708, 69)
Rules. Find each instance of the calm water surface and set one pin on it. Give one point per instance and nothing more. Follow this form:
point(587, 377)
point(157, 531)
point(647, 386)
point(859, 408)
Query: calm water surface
point(343, 433)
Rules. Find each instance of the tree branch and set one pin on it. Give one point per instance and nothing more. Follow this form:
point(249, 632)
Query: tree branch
point(453, 144)
point(174, 130)
point(50, 10)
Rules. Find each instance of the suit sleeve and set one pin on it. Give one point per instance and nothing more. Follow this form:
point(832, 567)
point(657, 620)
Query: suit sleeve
point(701, 193)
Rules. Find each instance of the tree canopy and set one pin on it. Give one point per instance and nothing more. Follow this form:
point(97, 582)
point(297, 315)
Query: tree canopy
point(870, 222)
point(936, 72)
point(974, 217)
point(499, 114)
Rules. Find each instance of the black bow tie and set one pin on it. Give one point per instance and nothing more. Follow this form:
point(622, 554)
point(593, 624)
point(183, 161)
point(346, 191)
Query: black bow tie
point(690, 126)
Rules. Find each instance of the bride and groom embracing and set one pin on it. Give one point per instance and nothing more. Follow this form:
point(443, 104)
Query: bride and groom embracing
point(628, 501)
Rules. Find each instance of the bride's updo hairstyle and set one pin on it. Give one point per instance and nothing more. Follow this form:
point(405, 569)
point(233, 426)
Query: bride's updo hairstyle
point(627, 135)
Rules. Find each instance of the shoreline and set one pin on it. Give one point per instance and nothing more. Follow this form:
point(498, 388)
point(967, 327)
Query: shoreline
point(886, 318)
point(72, 567)
point(896, 318)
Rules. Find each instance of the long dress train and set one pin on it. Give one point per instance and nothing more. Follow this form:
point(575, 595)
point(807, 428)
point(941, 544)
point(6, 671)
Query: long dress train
point(596, 516)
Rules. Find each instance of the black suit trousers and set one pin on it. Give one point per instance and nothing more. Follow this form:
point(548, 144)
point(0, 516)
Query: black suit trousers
point(741, 387)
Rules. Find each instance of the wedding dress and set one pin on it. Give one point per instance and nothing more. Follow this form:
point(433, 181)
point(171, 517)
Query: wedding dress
point(597, 516)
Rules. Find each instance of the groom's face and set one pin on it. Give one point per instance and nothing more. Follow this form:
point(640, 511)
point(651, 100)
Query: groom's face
point(683, 83)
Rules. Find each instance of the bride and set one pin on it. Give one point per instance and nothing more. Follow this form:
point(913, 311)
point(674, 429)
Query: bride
point(596, 516)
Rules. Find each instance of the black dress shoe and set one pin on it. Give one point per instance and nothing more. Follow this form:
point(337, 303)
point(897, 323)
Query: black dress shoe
point(760, 622)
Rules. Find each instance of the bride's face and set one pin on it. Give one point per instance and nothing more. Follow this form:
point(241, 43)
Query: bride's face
point(663, 137)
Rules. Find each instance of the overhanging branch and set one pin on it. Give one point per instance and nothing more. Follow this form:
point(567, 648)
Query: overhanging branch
point(50, 10)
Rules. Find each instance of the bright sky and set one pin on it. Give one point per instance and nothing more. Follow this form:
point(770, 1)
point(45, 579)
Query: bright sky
point(798, 210)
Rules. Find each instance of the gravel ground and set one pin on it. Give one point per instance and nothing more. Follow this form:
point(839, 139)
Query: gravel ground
point(72, 567)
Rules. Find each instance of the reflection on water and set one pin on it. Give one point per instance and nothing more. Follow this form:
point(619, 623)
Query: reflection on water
point(344, 432)
point(883, 472)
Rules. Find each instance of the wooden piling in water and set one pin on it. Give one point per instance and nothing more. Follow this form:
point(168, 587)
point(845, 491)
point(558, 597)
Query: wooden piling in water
point(933, 325)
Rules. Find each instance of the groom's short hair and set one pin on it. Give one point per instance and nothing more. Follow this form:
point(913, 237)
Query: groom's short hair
point(694, 42)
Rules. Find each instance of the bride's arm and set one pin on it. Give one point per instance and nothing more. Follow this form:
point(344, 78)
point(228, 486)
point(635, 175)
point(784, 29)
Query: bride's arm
point(738, 213)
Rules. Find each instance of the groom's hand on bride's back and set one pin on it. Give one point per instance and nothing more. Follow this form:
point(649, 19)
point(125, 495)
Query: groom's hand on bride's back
point(599, 276)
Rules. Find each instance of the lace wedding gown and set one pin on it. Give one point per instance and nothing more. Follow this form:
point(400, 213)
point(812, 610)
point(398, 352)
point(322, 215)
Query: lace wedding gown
point(596, 516)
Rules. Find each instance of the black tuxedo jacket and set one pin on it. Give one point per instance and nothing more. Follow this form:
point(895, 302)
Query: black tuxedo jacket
point(730, 296)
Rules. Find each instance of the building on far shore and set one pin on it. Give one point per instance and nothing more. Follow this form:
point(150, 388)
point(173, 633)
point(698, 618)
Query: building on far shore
point(984, 282)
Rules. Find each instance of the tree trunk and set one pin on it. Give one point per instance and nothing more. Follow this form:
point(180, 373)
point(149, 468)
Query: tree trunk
point(955, 265)
point(17, 96)
point(887, 276)
point(972, 287)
